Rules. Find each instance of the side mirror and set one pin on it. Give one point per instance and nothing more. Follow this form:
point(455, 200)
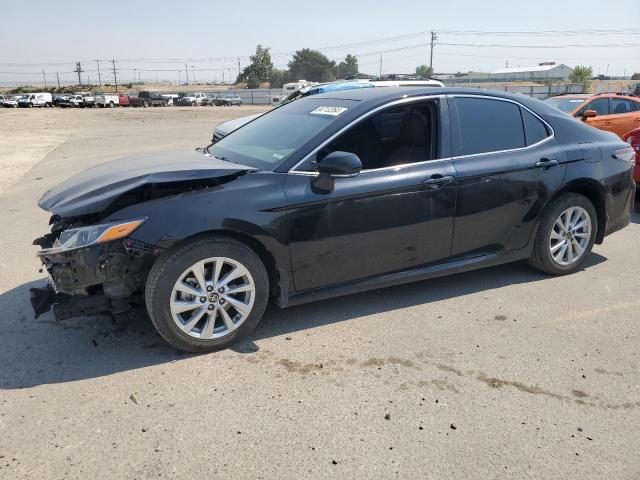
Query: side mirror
point(589, 114)
point(336, 164)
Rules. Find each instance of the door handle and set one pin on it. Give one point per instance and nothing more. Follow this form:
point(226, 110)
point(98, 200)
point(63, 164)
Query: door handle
point(437, 181)
point(546, 163)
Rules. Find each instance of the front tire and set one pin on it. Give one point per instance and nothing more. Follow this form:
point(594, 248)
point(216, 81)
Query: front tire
point(565, 235)
point(207, 294)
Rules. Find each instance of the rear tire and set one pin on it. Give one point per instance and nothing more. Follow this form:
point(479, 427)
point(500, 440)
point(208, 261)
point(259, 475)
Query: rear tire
point(175, 269)
point(565, 235)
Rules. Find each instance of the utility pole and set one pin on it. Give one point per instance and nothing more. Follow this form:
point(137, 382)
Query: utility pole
point(229, 75)
point(194, 73)
point(58, 77)
point(99, 77)
point(115, 78)
point(134, 75)
point(45, 78)
point(238, 67)
point(79, 71)
point(380, 73)
point(186, 71)
point(179, 77)
point(139, 76)
point(434, 37)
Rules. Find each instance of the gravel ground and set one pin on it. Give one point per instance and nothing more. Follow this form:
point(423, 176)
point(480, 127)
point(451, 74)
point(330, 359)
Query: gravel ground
point(499, 373)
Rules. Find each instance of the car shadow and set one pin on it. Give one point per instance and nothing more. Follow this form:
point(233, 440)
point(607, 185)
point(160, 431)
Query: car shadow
point(42, 351)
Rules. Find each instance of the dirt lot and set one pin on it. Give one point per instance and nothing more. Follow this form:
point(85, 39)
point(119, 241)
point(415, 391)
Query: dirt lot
point(500, 373)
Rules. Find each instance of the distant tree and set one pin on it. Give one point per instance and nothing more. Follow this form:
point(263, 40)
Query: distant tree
point(312, 65)
point(424, 71)
point(260, 67)
point(348, 68)
point(252, 81)
point(277, 78)
point(581, 75)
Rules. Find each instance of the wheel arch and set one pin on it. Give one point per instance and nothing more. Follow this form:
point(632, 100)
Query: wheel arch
point(274, 271)
point(593, 191)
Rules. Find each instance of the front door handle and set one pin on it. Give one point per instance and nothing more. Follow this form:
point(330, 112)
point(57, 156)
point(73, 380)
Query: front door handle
point(437, 181)
point(546, 163)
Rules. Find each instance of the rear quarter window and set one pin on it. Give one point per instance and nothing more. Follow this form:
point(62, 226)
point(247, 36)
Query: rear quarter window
point(535, 131)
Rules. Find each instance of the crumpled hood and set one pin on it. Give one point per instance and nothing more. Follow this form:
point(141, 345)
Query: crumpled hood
point(93, 190)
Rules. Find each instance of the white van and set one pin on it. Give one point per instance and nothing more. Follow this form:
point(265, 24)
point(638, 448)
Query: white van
point(36, 100)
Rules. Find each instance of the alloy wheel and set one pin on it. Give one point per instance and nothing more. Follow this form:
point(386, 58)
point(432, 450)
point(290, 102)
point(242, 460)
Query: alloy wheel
point(570, 236)
point(212, 298)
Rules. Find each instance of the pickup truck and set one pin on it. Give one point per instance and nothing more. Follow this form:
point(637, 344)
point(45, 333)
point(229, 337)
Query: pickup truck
point(229, 100)
point(148, 99)
point(107, 100)
point(74, 100)
point(190, 99)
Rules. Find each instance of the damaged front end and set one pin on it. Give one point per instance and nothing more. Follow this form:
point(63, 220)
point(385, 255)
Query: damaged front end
point(92, 268)
point(96, 260)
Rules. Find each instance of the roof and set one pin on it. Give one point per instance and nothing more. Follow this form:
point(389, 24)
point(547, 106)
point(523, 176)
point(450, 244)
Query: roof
point(537, 68)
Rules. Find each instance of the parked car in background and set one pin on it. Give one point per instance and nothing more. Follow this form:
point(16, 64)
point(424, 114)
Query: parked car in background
point(43, 99)
point(228, 100)
point(107, 100)
point(170, 97)
point(88, 100)
point(12, 101)
point(613, 112)
point(633, 138)
point(75, 100)
point(148, 99)
point(330, 195)
point(59, 98)
point(123, 99)
point(210, 99)
point(190, 99)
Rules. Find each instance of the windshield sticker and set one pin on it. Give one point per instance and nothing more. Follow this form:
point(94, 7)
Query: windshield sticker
point(278, 156)
point(580, 100)
point(333, 111)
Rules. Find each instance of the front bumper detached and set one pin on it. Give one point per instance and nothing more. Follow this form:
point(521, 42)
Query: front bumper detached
point(102, 278)
point(67, 306)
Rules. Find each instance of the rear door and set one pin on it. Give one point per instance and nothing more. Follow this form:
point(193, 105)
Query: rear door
point(508, 164)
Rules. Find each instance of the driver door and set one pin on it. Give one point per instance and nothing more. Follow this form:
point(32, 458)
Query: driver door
point(384, 219)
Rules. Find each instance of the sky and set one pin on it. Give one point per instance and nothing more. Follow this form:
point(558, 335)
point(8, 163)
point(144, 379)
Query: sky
point(157, 38)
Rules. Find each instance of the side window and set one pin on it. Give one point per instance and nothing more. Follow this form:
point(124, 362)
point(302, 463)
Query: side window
point(600, 105)
point(534, 130)
point(488, 125)
point(396, 136)
point(622, 105)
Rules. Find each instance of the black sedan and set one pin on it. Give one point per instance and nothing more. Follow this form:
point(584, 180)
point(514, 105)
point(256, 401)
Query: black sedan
point(330, 195)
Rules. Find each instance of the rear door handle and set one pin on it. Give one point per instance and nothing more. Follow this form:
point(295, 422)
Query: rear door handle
point(546, 163)
point(437, 181)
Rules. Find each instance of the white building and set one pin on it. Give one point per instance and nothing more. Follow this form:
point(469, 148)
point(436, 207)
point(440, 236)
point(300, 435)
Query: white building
point(543, 71)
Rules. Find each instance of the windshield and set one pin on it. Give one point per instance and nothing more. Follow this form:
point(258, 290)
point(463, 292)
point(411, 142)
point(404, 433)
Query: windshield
point(273, 137)
point(566, 104)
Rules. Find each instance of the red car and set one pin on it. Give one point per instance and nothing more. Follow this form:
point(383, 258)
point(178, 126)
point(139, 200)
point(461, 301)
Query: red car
point(633, 137)
point(123, 99)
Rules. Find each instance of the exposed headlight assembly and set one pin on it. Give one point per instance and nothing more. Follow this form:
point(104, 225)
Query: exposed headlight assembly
point(81, 237)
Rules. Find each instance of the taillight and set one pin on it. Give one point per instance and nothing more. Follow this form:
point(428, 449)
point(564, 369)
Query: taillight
point(627, 154)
